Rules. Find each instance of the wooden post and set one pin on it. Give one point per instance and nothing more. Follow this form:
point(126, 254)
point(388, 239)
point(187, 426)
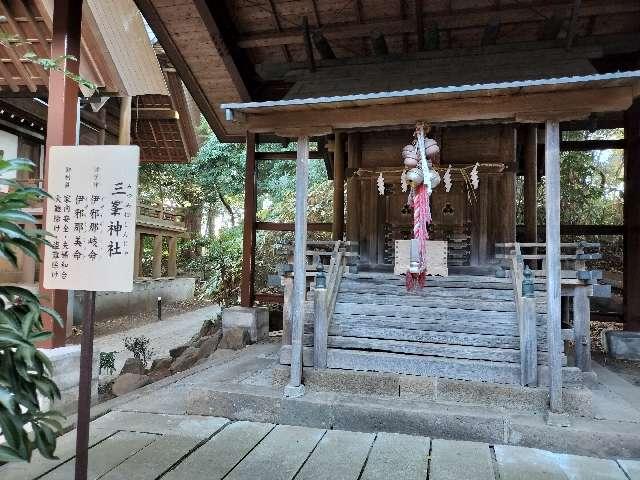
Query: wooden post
point(137, 254)
point(581, 328)
point(287, 284)
point(338, 187)
point(531, 184)
point(552, 207)
point(528, 342)
point(295, 387)
point(62, 120)
point(247, 290)
point(157, 256)
point(632, 218)
point(320, 328)
point(124, 128)
point(172, 268)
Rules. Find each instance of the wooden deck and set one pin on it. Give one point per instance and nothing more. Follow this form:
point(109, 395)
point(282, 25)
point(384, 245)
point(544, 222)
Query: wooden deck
point(144, 446)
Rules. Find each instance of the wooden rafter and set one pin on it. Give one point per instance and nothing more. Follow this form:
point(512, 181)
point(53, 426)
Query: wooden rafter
point(573, 23)
point(308, 47)
point(316, 15)
point(463, 19)
point(276, 19)
point(11, 52)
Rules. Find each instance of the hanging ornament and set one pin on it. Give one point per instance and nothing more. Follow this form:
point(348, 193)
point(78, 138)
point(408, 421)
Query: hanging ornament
point(380, 183)
point(475, 180)
point(403, 181)
point(447, 180)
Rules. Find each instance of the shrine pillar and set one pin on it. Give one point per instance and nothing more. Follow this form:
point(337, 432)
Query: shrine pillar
point(552, 211)
point(172, 268)
point(337, 230)
point(247, 289)
point(295, 388)
point(632, 218)
point(62, 123)
point(157, 256)
point(137, 254)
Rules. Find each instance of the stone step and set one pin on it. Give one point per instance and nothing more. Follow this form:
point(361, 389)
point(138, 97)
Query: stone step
point(427, 312)
point(351, 286)
point(467, 303)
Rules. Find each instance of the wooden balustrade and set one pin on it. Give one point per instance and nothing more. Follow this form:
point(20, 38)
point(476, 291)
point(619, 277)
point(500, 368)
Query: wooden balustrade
point(577, 283)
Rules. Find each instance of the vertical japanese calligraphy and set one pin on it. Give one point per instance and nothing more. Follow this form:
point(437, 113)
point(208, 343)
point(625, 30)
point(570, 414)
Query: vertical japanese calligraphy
point(91, 216)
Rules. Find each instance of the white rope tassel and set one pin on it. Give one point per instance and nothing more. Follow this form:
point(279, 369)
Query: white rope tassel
point(423, 159)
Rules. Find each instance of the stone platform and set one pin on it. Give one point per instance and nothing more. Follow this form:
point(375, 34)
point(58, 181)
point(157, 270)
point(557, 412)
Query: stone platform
point(142, 434)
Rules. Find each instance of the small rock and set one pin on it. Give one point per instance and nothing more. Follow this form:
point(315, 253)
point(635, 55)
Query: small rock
point(235, 339)
point(133, 365)
point(175, 352)
point(208, 345)
point(161, 363)
point(187, 360)
point(159, 374)
point(128, 383)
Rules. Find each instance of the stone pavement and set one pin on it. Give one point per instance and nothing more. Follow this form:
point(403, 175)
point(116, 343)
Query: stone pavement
point(164, 335)
point(141, 446)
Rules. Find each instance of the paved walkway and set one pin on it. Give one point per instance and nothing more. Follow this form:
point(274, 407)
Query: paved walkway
point(163, 335)
point(141, 446)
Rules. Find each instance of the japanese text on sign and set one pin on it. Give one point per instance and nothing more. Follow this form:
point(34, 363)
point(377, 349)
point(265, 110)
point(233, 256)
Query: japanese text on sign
point(92, 218)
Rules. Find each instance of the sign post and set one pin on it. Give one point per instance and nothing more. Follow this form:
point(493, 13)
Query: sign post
point(91, 216)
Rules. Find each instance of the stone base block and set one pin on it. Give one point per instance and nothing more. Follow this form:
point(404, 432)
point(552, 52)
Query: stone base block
point(624, 345)
point(66, 374)
point(254, 320)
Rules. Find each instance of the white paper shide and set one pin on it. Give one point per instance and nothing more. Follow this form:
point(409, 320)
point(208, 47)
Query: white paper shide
point(92, 217)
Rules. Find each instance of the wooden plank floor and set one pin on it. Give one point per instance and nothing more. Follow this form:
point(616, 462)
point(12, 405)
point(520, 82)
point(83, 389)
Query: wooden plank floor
point(152, 446)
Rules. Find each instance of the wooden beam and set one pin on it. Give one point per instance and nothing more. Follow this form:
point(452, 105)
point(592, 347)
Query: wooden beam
point(531, 183)
point(323, 46)
point(525, 107)
point(632, 218)
point(338, 187)
point(573, 23)
point(154, 114)
point(552, 210)
point(589, 145)
point(290, 227)
point(172, 266)
point(308, 48)
point(295, 387)
point(247, 287)
point(313, 155)
point(270, 298)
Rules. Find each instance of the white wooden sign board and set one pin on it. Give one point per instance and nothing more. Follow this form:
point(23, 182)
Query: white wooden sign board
point(436, 257)
point(92, 217)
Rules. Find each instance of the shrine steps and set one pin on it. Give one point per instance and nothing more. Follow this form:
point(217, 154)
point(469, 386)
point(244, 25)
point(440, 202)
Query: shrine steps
point(458, 327)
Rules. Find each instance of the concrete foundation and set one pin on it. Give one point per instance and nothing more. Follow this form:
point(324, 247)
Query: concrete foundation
point(576, 401)
point(143, 298)
point(254, 320)
point(66, 374)
point(623, 345)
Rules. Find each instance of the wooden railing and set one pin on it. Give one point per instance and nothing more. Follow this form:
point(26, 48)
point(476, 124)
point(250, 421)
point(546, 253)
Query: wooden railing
point(325, 294)
point(578, 283)
point(334, 258)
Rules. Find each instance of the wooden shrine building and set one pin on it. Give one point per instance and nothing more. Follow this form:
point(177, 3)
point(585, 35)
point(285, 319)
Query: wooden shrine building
point(496, 82)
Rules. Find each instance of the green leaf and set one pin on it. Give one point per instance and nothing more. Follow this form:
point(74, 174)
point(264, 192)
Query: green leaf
point(8, 454)
point(17, 216)
point(55, 315)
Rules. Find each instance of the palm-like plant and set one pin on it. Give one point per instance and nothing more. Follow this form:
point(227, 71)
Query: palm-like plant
point(25, 372)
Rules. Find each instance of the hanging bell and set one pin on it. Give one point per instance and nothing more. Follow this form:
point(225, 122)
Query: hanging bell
point(414, 177)
point(431, 148)
point(435, 179)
